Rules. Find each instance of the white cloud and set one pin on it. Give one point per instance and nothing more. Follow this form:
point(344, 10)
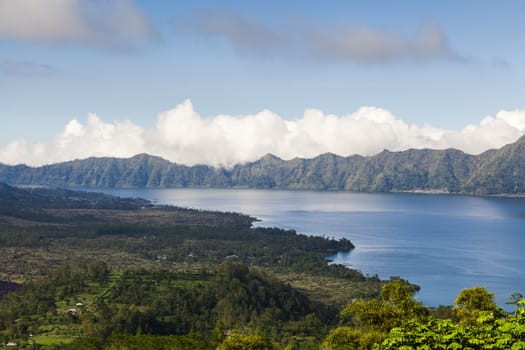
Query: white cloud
point(78, 141)
point(115, 24)
point(183, 136)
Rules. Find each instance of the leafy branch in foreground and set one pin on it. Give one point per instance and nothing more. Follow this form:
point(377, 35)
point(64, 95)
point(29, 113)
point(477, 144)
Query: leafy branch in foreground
point(478, 323)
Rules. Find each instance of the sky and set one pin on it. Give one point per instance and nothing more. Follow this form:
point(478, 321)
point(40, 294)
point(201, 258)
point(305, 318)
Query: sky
point(223, 82)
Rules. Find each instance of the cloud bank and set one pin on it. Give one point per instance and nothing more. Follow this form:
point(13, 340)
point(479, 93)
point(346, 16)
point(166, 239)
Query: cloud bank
point(184, 136)
point(113, 24)
point(300, 39)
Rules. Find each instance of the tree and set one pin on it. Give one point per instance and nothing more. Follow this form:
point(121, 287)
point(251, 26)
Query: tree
point(396, 305)
point(237, 341)
point(373, 319)
point(472, 302)
point(350, 338)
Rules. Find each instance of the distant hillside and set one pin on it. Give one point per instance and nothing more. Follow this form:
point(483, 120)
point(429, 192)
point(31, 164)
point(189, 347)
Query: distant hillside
point(500, 171)
point(42, 198)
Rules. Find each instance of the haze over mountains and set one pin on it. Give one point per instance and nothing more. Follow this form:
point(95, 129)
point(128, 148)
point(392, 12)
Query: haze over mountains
point(500, 171)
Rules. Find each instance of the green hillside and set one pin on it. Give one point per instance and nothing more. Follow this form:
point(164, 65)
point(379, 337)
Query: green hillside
point(495, 172)
point(159, 275)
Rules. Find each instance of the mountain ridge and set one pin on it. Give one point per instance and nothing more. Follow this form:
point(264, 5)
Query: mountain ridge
point(493, 172)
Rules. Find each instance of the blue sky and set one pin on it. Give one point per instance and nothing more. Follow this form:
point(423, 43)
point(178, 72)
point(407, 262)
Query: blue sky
point(444, 64)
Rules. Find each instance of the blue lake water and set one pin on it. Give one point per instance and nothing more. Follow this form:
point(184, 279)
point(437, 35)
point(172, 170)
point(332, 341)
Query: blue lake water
point(443, 243)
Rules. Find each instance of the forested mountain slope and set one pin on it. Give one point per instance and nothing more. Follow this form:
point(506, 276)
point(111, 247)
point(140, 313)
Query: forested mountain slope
point(500, 171)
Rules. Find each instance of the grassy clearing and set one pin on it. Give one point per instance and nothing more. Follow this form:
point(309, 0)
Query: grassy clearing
point(51, 339)
point(330, 290)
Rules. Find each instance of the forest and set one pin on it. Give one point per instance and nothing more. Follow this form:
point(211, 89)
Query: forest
point(82, 270)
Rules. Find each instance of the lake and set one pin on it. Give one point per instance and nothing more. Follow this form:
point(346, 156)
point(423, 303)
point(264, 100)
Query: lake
point(443, 243)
